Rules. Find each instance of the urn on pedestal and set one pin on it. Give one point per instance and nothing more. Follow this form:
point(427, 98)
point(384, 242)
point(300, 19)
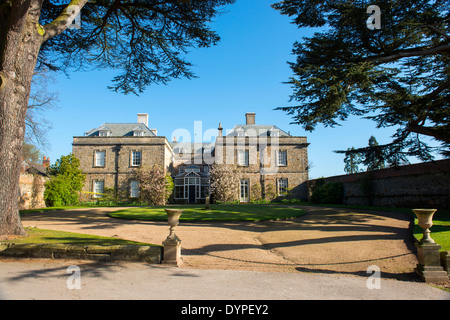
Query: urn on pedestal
point(172, 244)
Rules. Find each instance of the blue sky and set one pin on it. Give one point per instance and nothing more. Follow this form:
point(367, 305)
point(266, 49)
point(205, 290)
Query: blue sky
point(243, 73)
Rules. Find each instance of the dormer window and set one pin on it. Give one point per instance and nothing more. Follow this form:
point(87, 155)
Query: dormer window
point(138, 133)
point(103, 133)
point(274, 133)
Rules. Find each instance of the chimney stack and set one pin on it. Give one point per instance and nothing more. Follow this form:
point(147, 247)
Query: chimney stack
point(220, 129)
point(46, 161)
point(142, 118)
point(250, 118)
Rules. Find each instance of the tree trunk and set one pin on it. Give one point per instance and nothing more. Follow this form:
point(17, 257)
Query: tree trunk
point(20, 40)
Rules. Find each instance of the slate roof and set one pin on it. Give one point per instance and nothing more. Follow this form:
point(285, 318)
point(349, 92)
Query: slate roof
point(188, 147)
point(254, 130)
point(121, 129)
point(33, 168)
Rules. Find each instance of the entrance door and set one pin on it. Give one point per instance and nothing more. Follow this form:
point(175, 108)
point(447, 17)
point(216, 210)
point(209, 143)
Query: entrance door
point(192, 194)
point(244, 191)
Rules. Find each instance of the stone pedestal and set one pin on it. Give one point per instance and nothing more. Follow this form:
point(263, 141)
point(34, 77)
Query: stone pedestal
point(172, 252)
point(429, 266)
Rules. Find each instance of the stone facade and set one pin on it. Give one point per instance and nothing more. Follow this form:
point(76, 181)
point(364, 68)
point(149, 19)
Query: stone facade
point(107, 158)
point(118, 169)
point(263, 170)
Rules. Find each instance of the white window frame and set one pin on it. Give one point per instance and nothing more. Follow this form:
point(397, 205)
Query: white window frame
point(281, 158)
point(138, 133)
point(97, 158)
point(96, 189)
point(133, 160)
point(243, 157)
point(134, 189)
point(103, 133)
point(283, 185)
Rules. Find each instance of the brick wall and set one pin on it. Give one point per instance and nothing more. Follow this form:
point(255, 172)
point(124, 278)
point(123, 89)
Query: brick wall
point(424, 185)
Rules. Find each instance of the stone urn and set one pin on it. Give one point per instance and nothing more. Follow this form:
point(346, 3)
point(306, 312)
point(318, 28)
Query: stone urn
point(425, 217)
point(172, 244)
point(173, 220)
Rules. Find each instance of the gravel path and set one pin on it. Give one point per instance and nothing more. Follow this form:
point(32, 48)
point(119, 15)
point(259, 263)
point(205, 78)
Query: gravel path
point(325, 240)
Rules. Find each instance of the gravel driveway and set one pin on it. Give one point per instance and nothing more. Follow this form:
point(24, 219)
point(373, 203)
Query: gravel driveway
point(325, 240)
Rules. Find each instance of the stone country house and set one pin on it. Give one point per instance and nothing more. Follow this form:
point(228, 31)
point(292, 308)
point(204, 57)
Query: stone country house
point(271, 161)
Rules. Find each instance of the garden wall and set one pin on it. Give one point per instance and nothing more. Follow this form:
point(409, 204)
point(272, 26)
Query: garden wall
point(425, 185)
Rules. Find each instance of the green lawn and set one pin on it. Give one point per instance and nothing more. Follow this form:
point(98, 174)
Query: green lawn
point(35, 235)
point(218, 212)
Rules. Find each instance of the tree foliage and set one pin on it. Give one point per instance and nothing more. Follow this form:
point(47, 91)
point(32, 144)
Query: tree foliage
point(144, 41)
point(225, 182)
point(31, 153)
point(327, 192)
point(352, 160)
point(397, 76)
point(147, 40)
point(155, 184)
point(373, 157)
point(65, 183)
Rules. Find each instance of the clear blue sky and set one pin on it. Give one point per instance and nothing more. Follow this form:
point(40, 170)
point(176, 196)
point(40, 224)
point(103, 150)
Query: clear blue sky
point(243, 73)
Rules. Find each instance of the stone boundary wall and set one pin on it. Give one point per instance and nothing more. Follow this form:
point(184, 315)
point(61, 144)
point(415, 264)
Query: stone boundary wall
point(425, 185)
point(137, 253)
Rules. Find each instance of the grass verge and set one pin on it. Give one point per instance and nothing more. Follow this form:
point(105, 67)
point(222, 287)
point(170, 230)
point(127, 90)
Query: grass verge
point(44, 236)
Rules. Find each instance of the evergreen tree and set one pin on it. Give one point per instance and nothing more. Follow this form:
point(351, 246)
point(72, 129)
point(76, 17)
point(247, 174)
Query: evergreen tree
point(352, 160)
point(65, 183)
point(374, 157)
point(397, 76)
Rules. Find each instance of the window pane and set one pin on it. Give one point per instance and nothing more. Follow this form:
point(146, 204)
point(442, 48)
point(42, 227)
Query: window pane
point(136, 158)
point(282, 158)
point(98, 188)
point(282, 187)
point(179, 192)
point(134, 189)
point(100, 158)
point(243, 157)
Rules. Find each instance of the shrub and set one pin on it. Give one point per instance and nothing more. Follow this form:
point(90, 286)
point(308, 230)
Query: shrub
point(65, 183)
point(329, 192)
